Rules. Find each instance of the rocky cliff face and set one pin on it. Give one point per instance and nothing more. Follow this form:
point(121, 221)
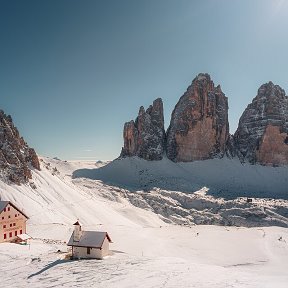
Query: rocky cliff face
point(199, 126)
point(145, 137)
point(16, 157)
point(262, 134)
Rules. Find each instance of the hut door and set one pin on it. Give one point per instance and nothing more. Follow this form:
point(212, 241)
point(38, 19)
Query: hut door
point(88, 250)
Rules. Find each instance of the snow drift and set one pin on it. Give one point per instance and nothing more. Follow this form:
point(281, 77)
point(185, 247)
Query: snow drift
point(225, 177)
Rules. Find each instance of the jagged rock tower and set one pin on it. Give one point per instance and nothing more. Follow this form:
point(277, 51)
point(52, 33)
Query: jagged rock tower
point(262, 134)
point(199, 126)
point(16, 157)
point(145, 137)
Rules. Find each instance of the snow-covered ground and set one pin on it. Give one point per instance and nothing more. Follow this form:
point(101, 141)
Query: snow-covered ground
point(224, 177)
point(149, 250)
point(157, 257)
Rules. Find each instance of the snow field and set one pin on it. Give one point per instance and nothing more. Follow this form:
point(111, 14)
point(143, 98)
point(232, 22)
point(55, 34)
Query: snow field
point(147, 250)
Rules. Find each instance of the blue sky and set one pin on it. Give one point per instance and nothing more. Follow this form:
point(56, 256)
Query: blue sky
point(72, 72)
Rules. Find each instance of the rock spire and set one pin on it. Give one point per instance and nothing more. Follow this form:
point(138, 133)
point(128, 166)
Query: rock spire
point(145, 137)
point(262, 134)
point(199, 126)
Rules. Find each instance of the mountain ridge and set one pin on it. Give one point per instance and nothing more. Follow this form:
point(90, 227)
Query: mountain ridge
point(199, 127)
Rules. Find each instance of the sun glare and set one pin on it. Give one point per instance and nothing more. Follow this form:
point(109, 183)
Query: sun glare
point(279, 5)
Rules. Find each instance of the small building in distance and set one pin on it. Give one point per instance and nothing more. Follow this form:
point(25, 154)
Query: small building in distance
point(12, 222)
point(22, 239)
point(89, 244)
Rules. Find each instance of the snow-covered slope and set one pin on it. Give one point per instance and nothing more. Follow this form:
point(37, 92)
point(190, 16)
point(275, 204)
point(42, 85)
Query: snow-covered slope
point(147, 250)
point(223, 177)
point(53, 198)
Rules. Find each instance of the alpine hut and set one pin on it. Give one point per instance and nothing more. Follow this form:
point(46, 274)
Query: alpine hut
point(89, 244)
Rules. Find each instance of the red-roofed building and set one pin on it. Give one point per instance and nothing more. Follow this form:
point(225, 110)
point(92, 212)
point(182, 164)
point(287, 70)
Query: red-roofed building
point(12, 222)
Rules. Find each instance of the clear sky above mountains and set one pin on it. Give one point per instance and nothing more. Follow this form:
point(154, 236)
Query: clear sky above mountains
point(72, 72)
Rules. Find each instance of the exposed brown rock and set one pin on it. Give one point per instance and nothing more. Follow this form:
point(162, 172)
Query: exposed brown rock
point(16, 157)
point(273, 150)
point(33, 159)
point(199, 126)
point(262, 134)
point(130, 135)
point(145, 137)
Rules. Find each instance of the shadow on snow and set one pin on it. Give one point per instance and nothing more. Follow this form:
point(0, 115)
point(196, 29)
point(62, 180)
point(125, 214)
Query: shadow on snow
point(224, 178)
point(49, 266)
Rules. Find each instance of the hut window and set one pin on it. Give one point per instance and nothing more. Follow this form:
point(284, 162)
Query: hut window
point(15, 215)
point(14, 224)
point(4, 226)
point(2, 218)
point(15, 233)
point(8, 208)
point(11, 225)
point(88, 250)
point(5, 236)
point(4, 209)
point(10, 234)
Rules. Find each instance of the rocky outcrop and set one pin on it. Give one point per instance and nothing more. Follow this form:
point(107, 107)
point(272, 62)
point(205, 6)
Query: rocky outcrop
point(16, 157)
point(262, 134)
point(145, 137)
point(199, 126)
